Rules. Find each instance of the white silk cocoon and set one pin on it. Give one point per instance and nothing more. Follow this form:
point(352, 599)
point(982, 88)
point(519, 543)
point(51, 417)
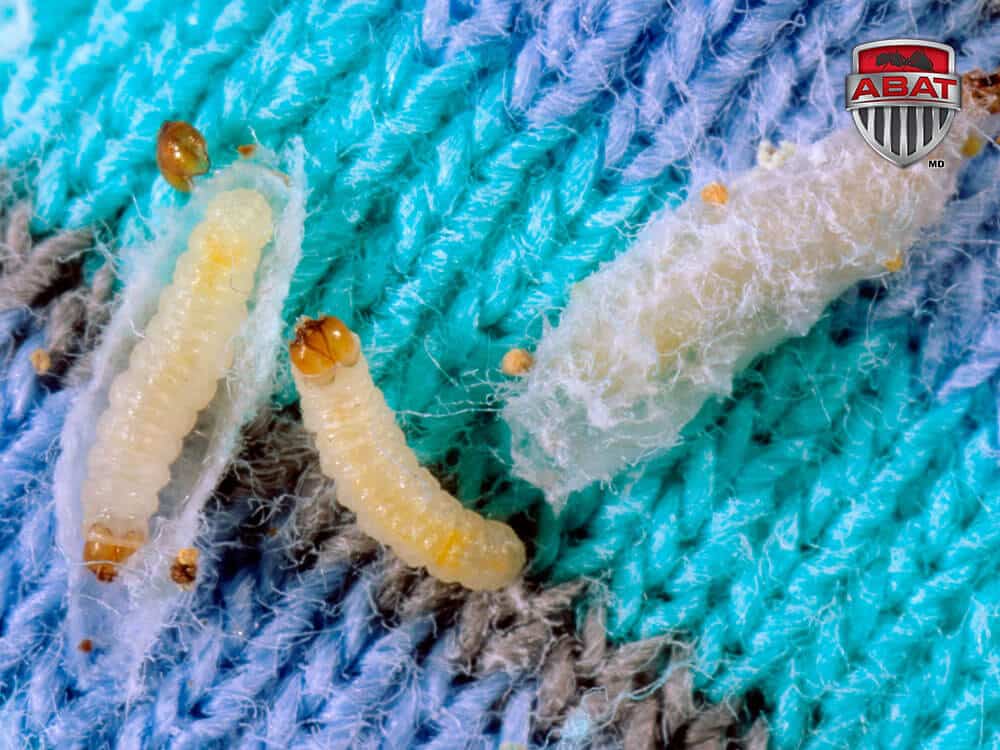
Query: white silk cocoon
point(704, 290)
point(130, 612)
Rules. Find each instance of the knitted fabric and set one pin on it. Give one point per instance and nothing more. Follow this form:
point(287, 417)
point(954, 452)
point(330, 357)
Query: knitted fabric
point(132, 615)
point(704, 291)
point(824, 540)
point(299, 611)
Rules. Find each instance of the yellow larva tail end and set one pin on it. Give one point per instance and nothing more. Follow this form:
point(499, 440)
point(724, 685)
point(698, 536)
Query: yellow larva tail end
point(479, 554)
point(506, 561)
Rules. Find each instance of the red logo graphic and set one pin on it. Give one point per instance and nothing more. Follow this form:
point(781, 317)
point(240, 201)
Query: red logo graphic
point(903, 94)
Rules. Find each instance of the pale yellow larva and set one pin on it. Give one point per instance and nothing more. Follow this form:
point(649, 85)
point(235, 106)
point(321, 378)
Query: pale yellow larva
point(396, 500)
point(173, 373)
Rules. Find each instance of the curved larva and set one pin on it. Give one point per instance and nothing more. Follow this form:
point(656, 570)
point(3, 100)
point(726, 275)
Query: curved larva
point(396, 500)
point(645, 340)
point(172, 375)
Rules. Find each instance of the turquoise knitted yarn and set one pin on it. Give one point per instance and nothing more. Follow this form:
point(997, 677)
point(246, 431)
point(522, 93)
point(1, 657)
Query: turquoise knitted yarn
point(826, 539)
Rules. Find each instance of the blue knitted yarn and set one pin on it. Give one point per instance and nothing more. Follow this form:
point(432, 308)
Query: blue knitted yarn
point(829, 534)
point(826, 537)
point(266, 654)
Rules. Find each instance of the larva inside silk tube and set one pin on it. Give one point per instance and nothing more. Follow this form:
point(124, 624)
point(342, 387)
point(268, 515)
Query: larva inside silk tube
point(705, 289)
point(171, 376)
point(396, 500)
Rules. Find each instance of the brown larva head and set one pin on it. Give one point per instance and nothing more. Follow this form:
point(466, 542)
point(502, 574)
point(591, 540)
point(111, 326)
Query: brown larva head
point(320, 346)
point(181, 154)
point(103, 551)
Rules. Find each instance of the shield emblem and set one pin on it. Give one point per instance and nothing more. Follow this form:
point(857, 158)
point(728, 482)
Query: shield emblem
point(903, 94)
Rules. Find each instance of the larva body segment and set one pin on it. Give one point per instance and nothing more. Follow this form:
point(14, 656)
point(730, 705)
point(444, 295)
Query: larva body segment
point(172, 374)
point(396, 500)
point(705, 289)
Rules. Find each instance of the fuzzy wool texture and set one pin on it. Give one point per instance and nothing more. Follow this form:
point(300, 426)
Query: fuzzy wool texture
point(322, 626)
point(824, 539)
point(707, 288)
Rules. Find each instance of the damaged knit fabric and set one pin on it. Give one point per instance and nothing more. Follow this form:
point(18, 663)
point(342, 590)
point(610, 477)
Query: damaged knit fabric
point(814, 565)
